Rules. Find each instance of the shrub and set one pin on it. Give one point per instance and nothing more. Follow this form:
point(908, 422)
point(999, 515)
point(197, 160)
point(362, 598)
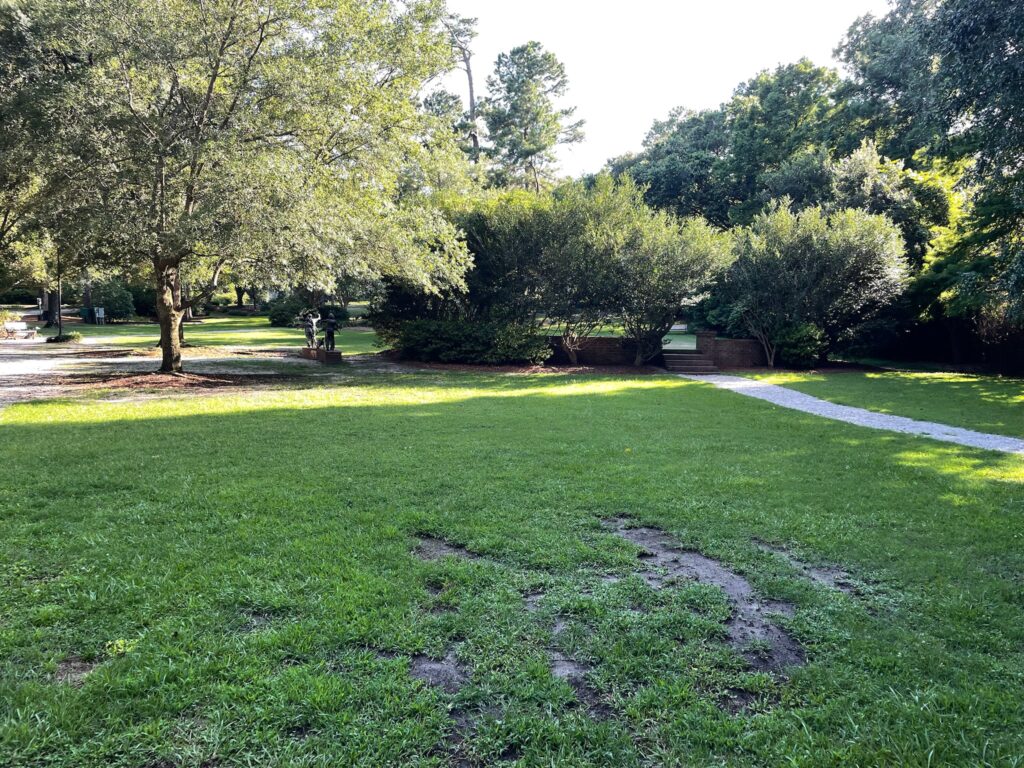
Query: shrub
point(340, 313)
point(284, 312)
point(833, 271)
point(71, 337)
point(801, 345)
point(19, 296)
point(478, 343)
point(115, 298)
point(144, 298)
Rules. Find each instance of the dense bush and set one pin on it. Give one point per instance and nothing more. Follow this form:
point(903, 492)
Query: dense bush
point(143, 297)
point(284, 312)
point(115, 298)
point(576, 259)
point(71, 337)
point(339, 312)
point(458, 341)
point(802, 345)
point(19, 296)
point(833, 271)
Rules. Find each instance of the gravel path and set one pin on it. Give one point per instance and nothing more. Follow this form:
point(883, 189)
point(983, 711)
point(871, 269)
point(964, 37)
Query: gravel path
point(798, 401)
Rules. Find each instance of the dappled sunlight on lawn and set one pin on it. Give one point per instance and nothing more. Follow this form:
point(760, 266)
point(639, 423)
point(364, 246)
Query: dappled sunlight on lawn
point(221, 332)
point(390, 391)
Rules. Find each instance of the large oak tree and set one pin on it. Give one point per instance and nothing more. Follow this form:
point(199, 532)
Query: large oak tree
point(273, 137)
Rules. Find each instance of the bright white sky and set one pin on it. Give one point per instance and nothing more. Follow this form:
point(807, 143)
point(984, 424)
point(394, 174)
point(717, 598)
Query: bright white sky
point(631, 62)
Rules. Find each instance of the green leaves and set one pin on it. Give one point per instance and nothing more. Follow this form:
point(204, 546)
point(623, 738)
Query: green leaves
point(832, 272)
point(523, 122)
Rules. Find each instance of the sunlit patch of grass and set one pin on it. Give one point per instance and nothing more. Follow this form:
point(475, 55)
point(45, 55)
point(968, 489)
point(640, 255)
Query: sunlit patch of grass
point(224, 331)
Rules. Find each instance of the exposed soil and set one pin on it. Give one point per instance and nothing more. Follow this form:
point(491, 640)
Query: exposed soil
point(84, 382)
point(750, 629)
point(830, 576)
point(73, 671)
point(431, 549)
point(447, 674)
point(575, 674)
point(564, 668)
point(256, 621)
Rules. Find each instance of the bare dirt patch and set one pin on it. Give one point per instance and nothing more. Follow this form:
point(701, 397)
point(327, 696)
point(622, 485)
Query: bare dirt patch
point(256, 621)
point(73, 671)
point(432, 549)
point(750, 629)
point(575, 674)
point(448, 674)
point(830, 576)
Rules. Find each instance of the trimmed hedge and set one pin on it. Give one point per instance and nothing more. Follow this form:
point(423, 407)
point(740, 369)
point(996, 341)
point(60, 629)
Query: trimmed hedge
point(475, 343)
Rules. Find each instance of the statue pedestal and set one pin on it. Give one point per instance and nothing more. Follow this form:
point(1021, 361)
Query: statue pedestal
point(321, 356)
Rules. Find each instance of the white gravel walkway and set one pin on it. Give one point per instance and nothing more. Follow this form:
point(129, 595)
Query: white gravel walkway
point(798, 401)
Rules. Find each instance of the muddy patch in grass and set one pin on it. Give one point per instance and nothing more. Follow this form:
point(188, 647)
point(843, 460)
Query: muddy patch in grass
point(575, 674)
point(565, 668)
point(447, 673)
point(73, 671)
point(432, 549)
point(750, 629)
point(827, 575)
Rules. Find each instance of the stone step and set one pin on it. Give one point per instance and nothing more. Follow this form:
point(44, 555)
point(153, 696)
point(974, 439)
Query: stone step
point(694, 361)
point(694, 371)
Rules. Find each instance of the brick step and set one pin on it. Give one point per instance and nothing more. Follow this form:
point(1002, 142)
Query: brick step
point(693, 371)
point(689, 360)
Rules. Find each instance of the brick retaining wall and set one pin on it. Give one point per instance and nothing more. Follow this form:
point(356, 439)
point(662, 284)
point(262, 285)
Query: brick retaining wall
point(732, 353)
point(609, 350)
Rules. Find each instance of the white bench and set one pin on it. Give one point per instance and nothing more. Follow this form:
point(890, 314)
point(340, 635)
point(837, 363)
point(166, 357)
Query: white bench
point(14, 330)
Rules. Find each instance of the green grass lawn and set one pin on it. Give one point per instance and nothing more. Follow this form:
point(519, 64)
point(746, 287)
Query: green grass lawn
point(985, 403)
point(240, 571)
point(221, 332)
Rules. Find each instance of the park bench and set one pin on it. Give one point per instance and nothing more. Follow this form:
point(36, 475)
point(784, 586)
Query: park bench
point(16, 330)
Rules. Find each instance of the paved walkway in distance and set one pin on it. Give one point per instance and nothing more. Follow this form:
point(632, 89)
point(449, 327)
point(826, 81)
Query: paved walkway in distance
point(798, 401)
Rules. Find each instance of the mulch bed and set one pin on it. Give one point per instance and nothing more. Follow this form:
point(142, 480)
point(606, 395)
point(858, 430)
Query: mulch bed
point(94, 381)
point(599, 370)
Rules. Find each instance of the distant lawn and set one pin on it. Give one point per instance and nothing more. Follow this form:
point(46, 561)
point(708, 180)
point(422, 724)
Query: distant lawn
point(985, 403)
point(221, 332)
point(230, 580)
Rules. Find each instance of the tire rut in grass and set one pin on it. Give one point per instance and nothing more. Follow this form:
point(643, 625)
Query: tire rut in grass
point(765, 645)
point(827, 575)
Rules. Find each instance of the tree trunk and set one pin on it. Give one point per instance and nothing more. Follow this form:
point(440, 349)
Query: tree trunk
point(176, 297)
point(49, 304)
point(239, 297)
point(169, 314)
point(87, 292)
point(189, 314)
point(474, 136)
point(571, 352)
point(639, 359)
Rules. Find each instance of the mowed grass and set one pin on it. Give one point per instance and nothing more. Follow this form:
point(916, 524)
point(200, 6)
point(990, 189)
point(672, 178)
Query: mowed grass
point(253, 332)
point(241, 572)
point(984, 403)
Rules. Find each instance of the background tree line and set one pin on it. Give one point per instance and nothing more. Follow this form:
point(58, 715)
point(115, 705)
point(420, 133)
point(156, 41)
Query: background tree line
point(306, 146)
point(925, 130)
